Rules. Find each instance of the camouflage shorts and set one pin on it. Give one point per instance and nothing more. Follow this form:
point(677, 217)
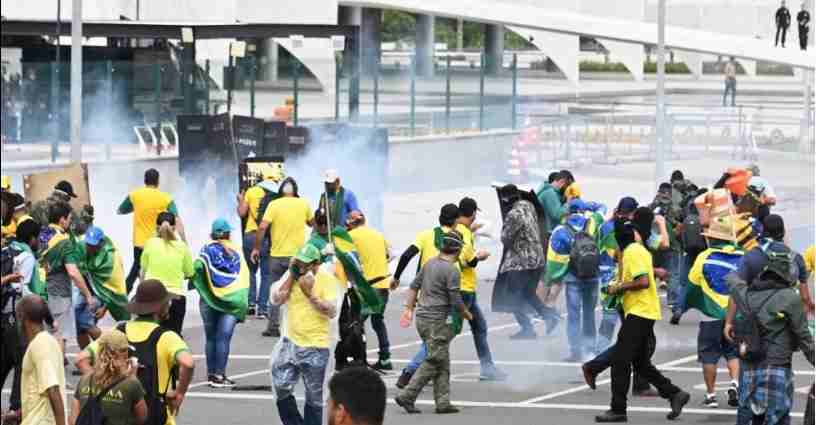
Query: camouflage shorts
point(292, 362)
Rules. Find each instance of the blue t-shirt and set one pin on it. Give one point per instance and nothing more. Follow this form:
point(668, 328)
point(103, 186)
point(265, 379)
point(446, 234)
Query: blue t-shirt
point(349, 205)
point(754, 261)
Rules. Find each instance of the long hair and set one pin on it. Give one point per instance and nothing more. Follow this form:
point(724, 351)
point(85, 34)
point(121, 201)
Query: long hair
point(108, 368)
point(167, 232)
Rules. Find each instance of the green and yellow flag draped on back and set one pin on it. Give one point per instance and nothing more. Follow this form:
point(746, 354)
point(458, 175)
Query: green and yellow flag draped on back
point(222, 278)
point(344, 249)
point(106, 275)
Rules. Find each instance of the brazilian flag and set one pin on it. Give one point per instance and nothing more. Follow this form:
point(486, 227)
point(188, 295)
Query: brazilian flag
point(707, 290)
point(222, 278)
point(106, 275)
point(346, 253)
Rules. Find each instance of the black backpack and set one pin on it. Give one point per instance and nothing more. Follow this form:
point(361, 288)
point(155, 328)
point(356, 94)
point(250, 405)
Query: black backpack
point(585, 257)
point(781, 266)
point(148, 374)
point(748, 332)
point(7, 292)
point(91, 412)
point(692, 235)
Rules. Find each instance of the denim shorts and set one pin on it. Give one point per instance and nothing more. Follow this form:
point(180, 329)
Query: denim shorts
point(85, 318)
point(711, 344)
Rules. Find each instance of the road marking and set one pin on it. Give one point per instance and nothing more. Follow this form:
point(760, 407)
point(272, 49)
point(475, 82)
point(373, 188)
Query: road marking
point(602, 382)
point(463, 403)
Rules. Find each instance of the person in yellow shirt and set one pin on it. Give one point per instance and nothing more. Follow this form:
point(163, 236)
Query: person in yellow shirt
point(167, 258)
point(641, 309)
point(153, 345)
point(286, 219)
point(310, 295)
point(251, 207)
point(42, 385)
point(373, 251)
point(146, 203)
point(16, 213)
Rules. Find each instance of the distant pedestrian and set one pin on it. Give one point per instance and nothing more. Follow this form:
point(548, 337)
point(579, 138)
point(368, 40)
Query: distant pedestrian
point(43, 376)
point(146, 203)
point(167, 258)
point(356, 397)
point(803, 18)
point(783, 20)
point(440, 310)
point(121, 396)
point(730, 74)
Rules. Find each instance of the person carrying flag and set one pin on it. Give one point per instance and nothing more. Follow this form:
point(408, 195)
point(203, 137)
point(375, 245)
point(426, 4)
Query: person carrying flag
point(708, 292)
point(221, 277)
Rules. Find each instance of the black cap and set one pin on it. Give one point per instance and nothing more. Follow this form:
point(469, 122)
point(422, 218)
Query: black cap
point(468, 206)
point(627, 205)
point(773, 227)
point(66, 187)
point(448, 213)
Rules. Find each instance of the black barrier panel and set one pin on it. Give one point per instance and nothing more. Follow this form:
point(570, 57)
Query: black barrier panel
point(193, 131)
point(298, 139)
point(220, 136)
point(248, 136)
point(274, 139)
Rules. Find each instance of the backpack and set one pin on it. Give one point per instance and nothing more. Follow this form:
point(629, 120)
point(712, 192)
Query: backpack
point(781, 266)
point(748, 332)
point(148, 374)
point(91, 412)
point(692, 235)
point(7, 292)
point(585, 257)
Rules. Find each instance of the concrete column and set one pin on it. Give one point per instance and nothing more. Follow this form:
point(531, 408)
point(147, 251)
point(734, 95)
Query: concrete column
point(460, 34)
point(494, 48)
point(349, 15)
point(425, 45)
point(270, 59)
point(371, 42)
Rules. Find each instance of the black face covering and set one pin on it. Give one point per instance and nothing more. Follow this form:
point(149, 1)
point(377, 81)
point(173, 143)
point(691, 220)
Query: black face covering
point(624, 233)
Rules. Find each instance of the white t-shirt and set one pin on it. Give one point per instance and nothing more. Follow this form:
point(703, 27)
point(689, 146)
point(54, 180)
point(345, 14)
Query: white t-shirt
point(26, 265)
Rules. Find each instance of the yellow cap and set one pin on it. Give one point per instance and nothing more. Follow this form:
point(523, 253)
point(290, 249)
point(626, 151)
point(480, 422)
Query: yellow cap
point(5, 183)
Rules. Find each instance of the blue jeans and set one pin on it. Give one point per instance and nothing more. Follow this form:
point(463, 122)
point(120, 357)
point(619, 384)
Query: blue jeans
point(582, 297)
point(218, 329)
point(290, 365)
point(609, 320)
point(678, 283)
point(478, 327)
point(257, 295)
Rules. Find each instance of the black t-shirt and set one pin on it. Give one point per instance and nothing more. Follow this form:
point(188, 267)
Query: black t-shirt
point(803, 17)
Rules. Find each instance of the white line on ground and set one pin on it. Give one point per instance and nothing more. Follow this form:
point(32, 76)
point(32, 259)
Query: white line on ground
point(602, 382)
point(463, 403)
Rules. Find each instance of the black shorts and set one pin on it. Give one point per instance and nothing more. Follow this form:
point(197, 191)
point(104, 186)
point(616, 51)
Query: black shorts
point(712, 345)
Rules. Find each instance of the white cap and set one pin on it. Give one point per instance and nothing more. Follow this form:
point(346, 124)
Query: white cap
point(330, 176)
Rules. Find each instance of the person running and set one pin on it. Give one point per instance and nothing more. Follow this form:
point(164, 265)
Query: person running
point(374, 253)
point(708, 292)
point(763, 290)
point(222, 280)
point(310, 294)
point(440, 301)
point(167, 258)
point(42, 385)
point(641, 308)
point(61, 259)
point(121, 396)
point(146, 203)
point(63, 192)
point(342, 201)
point(251, 208)
point(288, 216)
point(573, 258)
point(165, 364)
point(356, 397)
point(521, 266)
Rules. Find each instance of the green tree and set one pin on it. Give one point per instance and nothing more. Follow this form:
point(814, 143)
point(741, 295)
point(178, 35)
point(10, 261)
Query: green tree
point(397, 26)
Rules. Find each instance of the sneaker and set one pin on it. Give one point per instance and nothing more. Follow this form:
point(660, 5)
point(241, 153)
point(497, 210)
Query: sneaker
point(589, 376)
point(409, 407)
point(677, 402)
point(383, 364)
point(493, 374)
point(733, 396)
point(274, 333)
point(251, 310)
point(610, 417)
point(675, 319)
point(524, 335)
point(220, 381)
point(710, 401)
point(404, 379)
point(447, 410)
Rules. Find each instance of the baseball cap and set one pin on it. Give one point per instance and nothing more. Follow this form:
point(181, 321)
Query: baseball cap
point(221, 226)
point(330, 176)
point(468, 206)
point(627, 205)
point(577, 205)
point(308, 254)
point(94, 236)
point(449, 212)
point(66, 187)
